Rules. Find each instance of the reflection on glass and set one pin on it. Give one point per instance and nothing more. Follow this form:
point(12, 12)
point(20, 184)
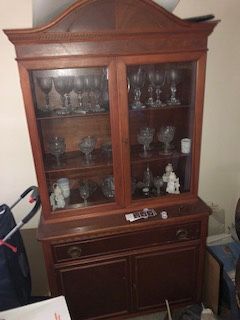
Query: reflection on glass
point(158, 183)
point(108, 187)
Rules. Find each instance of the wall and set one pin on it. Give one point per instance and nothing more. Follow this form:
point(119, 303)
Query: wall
point(220, 157)
point(220, 162)
point(16, 163)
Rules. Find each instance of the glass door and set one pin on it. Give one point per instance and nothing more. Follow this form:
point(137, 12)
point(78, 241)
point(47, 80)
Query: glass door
point(73, 120)
point(161, 120)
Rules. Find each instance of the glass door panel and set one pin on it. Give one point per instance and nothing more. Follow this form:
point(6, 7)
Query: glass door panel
point(72, 112)
point(161, 119)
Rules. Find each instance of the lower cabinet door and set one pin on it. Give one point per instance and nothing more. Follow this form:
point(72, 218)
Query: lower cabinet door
point(96, 289)
point(162, 275)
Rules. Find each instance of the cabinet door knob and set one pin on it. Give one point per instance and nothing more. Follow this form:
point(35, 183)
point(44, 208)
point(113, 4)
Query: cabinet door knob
point(74, 252)
point(182, 234)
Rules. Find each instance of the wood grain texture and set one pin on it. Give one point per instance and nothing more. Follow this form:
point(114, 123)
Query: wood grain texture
point(104, 265)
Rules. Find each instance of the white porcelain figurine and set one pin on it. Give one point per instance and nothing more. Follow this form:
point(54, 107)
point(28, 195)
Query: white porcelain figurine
point(57, 198)
point(168, 170)
point(173, 184)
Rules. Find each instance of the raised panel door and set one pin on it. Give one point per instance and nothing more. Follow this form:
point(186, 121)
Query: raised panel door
point(96, 289)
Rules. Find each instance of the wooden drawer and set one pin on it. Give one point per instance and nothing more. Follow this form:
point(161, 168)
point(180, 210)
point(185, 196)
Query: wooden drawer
point(139, 239)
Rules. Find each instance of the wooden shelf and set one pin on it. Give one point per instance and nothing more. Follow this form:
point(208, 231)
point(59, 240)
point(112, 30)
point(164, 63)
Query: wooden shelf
point(156, 155)
point(52, 115)
point(72, 161)
point(165, 108)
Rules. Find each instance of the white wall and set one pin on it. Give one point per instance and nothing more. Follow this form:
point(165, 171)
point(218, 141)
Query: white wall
point(220, 162)
point(16, 163)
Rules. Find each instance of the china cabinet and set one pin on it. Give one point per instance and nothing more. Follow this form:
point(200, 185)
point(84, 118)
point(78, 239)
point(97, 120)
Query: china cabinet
point(113, 92)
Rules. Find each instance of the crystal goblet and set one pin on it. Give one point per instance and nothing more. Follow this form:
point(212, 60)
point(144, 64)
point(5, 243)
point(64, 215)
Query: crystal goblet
point(173, 79)
point(45, 85)
point(166, 135)
point(151, 78)
point(78, 87)
point(88, 84)
point(137, 81)
point(57, 147)
point(84, 191)
point(145, 137)
point(97, 79)
point(159, 80)
point(64, 85)
point(86, 146)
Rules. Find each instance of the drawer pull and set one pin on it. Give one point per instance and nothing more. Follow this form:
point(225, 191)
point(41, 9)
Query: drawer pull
point(182, 234)
point(74, 252)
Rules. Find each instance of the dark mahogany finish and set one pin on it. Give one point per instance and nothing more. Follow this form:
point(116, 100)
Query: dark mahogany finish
point(105, 266)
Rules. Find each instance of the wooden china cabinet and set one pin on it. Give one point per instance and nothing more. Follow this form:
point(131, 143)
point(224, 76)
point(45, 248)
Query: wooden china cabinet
point(111, 89)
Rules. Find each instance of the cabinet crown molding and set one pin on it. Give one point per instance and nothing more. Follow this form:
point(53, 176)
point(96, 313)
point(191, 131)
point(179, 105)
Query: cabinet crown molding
point(106, 19)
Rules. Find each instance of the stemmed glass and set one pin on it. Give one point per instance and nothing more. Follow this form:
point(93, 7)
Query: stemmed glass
point(88, 84)
point(84, 190)
point(78, 87)
point(137, 81)
point(173, 78)
point(151, 78)
point(145, 137)
point(57, 148)
point(86, 146)
point(64, 85)
point(158, 183)
point(97, 85)
point(166, 135)
point(45, 85)
point(159, 80)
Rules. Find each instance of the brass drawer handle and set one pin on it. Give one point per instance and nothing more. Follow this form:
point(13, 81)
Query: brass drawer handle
point(182, 234)
point(74, 252)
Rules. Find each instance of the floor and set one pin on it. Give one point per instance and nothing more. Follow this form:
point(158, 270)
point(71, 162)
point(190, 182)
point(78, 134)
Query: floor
point(225, 315)
point(154, 316)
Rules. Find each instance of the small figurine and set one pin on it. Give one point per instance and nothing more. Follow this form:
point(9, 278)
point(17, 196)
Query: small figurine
point(177, 186)
point(168, 170)
point(57, 198)
point(173, 184)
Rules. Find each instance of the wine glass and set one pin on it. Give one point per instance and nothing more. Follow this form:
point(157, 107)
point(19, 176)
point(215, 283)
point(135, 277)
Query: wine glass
point(78, 87)
point(86, 146)
point(84, 190)
point(97, 93)
point(166, 135)
point(173, 79)
point(64, 85)
point(137, 81)
point(45, 85)
point(88, 84)
point(151, 78)
point(159, 80)
point(57, 148)
point(145, 137)
point(158, 183)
